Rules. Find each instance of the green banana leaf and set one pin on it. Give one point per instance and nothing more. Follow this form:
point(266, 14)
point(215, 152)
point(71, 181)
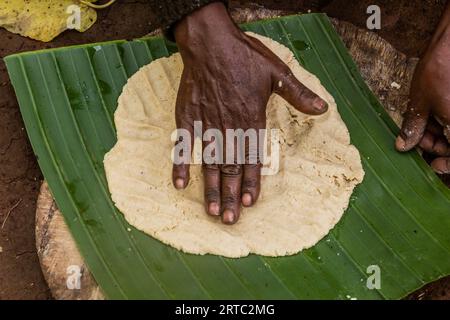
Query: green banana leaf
point(398, 218)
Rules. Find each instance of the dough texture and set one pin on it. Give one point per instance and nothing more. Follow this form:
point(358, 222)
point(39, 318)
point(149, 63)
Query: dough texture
point(318, 171)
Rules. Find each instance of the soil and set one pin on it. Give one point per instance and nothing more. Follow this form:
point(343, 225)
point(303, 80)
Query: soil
point(406, 24)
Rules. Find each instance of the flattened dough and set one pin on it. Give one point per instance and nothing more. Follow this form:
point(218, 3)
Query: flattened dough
point(319, 169)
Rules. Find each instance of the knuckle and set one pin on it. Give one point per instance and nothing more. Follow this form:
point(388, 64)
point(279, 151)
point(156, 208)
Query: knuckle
point(211, 167)
point(249, 183)
point(410, 132)
point(252, 156)
point(230, 199)
point(407, 132)
point(180, 169)
point(285, 70)
point(304, 93)
point(212, 193)
point(439, 147)
point(231, 169)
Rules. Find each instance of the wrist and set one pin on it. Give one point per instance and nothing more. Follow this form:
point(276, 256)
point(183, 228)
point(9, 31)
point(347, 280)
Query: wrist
point(204, 26)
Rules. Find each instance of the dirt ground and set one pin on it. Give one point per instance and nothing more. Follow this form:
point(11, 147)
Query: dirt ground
point(408, 25)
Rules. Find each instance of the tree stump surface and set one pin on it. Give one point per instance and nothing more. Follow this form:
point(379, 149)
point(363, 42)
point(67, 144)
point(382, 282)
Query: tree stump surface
point(387, 72)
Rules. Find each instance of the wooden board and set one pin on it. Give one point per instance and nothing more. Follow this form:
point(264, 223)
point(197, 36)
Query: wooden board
point(387, 72)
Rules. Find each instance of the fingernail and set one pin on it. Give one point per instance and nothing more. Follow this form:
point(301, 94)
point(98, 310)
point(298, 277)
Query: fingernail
point(228, 216)
point(179, 183)
point(438, 169)
point(400, 143)
point(320, 105)
point(441, 165)
point(213, 209)
point(247, 199)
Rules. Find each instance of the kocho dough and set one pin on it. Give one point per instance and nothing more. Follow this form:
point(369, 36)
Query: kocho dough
point(319, 169)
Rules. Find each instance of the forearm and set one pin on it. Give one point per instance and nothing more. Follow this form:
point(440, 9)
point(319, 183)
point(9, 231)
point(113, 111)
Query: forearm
point(169, 12)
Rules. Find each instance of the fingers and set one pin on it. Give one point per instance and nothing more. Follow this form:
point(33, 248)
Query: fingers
point(441, 112)
point(413, 127)
point(211, 174)
point(180, 176)
point(437, 145)
point(441, 165)
point(182, 150)
point(185, 134)
point(251, 184)
point(293, 91)
point(231, 192)
point(182, 156)
point(434, 127)
point(440, 143)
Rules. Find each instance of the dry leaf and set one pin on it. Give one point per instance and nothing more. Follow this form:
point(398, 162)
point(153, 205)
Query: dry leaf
point(45, 19)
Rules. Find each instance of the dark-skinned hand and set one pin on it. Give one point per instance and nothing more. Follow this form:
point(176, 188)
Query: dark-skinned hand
point(227, 80)
point(427, 120)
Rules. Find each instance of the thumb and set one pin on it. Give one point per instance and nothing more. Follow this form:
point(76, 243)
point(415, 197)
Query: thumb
point(293, 91)
point(413, 127)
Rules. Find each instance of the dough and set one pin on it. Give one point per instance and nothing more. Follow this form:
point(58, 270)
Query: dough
point(318, 171)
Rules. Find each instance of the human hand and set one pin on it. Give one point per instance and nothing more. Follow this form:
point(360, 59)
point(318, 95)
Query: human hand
point(427, 120)
point(227, 80)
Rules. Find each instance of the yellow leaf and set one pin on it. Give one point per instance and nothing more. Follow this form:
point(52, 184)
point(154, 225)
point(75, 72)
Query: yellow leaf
point(45, 19)
point(90, 3)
